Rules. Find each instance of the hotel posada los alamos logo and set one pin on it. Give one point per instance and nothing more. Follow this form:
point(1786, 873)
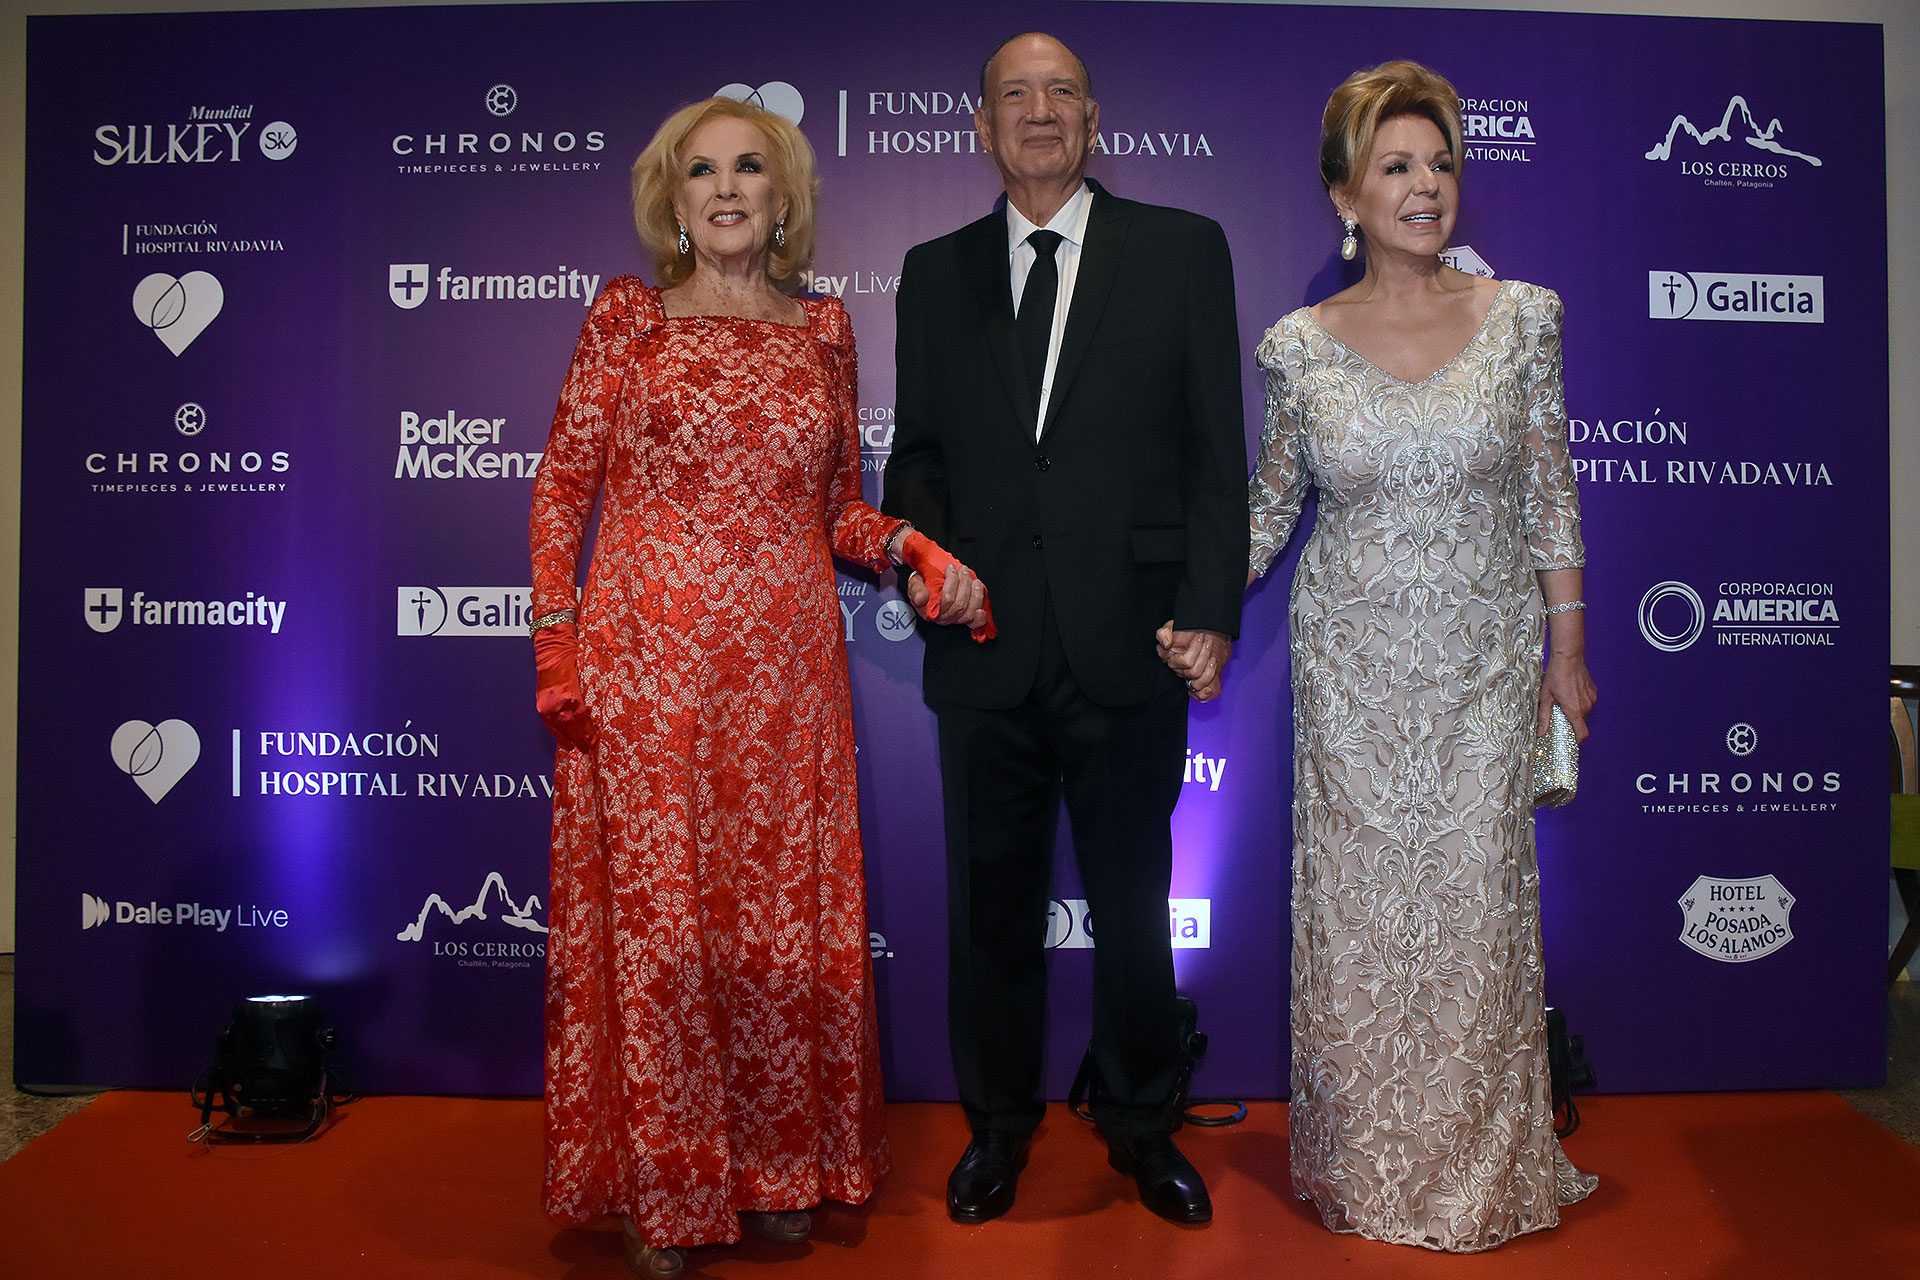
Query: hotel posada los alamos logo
point(1734, 921)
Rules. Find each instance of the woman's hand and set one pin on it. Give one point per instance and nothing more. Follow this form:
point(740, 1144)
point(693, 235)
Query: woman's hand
point(557, 696)
point(945, 591)
point(1567, 684)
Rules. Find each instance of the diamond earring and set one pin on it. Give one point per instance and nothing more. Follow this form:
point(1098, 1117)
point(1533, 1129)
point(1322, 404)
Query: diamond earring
point(686, 245)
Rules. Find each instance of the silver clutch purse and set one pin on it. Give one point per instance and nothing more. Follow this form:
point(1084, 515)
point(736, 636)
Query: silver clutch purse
point(1556, 763)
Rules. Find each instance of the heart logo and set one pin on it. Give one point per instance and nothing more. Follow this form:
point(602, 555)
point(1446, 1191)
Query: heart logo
point(155, 756)
point(178, 310)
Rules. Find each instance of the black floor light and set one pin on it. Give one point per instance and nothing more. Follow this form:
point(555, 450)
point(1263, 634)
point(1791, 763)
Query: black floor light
point(270, 1073)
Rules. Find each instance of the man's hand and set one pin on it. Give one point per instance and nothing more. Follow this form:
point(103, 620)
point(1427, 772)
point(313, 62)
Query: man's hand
point(962, 600)
point(1198, 657)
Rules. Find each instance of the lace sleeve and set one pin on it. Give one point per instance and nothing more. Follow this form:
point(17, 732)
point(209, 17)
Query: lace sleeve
point(856, 531)
point(1552, 508)
point(1280, 477)
point(575, 461)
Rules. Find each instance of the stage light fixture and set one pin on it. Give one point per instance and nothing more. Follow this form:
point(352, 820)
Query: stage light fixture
point(270, 1073)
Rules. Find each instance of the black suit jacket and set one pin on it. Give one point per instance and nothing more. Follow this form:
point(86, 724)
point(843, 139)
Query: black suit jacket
point(1131, 507)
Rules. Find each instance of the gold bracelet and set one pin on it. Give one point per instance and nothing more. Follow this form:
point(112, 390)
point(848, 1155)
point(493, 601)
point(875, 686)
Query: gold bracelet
point(548, 619)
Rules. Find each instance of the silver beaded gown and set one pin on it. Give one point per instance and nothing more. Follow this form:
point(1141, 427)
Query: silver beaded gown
point(1421, 1112)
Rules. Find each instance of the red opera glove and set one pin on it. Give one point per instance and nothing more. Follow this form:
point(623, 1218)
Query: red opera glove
point(928, 559)
point(556, 664)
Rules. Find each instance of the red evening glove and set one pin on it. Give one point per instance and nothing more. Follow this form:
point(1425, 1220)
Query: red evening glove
point(556, 664)
point(926, 558)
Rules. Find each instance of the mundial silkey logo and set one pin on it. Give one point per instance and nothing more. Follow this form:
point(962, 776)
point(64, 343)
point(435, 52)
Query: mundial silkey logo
point(1710, 295)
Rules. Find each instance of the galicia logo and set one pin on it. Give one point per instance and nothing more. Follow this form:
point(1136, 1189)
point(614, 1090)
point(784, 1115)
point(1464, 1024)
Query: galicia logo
point(1679, 624)
point(463, 611)
point(211, 135)
point(410, 283)
point(1733, 921)
point(1700, 295)
point(1694, 160)
point(103, 611)
point(94, 912)
point(894, 619)
point(491, 148)
point(155, 756)
point(178, 310)
point(1070, 924)
point(776, 96)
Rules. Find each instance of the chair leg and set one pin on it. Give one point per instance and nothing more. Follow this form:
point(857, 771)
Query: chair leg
point(1909, 885)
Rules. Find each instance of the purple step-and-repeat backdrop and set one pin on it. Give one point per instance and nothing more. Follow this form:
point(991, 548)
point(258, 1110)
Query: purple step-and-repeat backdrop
point(301, 288)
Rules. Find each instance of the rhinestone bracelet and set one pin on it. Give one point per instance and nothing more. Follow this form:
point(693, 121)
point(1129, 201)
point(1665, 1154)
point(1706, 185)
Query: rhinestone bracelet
point(897, 541)
point(1568, 607)
point(548, 619)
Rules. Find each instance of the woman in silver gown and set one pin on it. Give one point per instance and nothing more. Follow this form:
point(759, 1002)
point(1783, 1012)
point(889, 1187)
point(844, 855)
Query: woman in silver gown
point(1425, 405)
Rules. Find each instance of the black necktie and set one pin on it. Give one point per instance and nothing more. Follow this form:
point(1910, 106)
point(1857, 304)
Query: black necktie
point(1035, 321)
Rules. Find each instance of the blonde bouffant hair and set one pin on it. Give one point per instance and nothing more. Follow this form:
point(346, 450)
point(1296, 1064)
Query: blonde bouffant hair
point(657, 177)
point(1369, 97)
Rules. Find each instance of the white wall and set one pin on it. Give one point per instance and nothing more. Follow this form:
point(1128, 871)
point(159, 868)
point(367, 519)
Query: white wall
point(1901, 19)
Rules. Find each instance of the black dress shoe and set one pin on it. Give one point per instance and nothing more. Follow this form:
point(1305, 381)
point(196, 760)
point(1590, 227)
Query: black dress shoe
point(981, 1186)
point(1169, 1185)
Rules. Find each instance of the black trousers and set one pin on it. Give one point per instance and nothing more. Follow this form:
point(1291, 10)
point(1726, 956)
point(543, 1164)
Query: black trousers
point(1003, 774)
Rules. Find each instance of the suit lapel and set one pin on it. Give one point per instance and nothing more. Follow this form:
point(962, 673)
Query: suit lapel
point(984, 254)
point(1099, 265)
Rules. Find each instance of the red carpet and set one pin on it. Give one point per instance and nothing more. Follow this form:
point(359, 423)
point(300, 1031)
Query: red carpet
point(1710, 1186)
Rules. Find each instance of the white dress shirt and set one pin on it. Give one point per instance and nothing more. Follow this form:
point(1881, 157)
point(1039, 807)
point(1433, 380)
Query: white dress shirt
point(1071, 223)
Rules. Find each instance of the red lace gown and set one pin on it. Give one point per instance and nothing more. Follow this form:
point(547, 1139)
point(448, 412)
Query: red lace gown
point(711, 1044)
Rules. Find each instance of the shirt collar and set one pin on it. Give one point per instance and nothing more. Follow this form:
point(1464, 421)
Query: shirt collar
point(1070, 222)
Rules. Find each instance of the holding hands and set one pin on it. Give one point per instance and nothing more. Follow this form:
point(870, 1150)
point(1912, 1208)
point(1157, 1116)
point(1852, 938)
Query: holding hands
point(1198, 657)
point(943, 590)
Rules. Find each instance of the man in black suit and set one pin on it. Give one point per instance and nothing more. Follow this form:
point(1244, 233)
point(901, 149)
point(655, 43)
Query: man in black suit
point(1083, 452)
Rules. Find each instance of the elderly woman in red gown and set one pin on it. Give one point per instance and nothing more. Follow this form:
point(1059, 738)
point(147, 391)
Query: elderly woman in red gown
point(711, 1051)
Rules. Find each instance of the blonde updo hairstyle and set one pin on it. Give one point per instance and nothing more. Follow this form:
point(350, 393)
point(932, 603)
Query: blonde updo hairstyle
point(1368, 98)
point(657, 176)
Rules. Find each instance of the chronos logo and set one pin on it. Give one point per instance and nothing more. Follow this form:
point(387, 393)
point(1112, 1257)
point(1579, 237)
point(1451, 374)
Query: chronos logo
point(490, 146)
